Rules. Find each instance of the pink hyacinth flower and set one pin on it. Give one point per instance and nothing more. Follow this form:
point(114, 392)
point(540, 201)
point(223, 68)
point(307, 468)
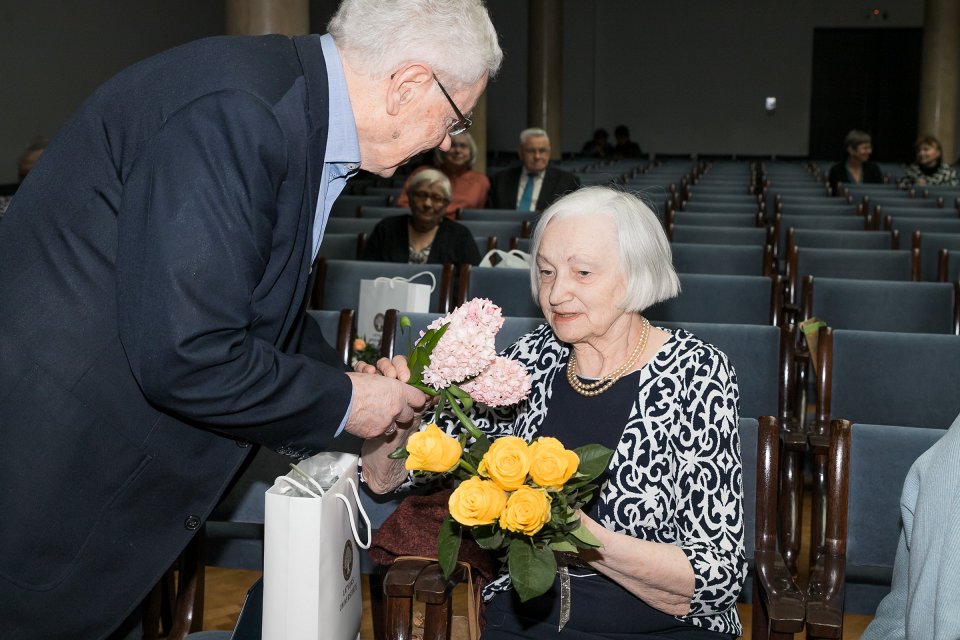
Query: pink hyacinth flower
point(468, 345)
point(503, 383)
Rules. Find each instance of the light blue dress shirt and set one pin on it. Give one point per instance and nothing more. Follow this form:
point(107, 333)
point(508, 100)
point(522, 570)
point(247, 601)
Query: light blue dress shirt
point(341, 159)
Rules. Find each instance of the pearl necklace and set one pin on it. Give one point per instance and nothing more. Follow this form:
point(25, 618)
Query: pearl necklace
point(591, 389)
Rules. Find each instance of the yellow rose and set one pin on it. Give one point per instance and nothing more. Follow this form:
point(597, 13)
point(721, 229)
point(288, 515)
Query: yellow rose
point(359, 344)
point(476, 501)
point(527, 510)
point(551, 465)
point(432, 450)
point(506, 462)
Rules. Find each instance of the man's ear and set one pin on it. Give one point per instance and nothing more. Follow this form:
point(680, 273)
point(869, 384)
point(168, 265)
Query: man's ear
point(408, 84)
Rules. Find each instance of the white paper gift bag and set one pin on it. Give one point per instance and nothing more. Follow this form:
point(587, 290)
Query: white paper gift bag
point(311, 560)
point(376, 296)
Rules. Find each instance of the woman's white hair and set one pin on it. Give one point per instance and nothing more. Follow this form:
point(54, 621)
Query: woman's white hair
point(455, 37)
point(431, 177)
point(439, 157)
point(645, 256)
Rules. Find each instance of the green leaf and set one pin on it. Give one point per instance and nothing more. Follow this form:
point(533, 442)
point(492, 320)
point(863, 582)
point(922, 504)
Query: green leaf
point(448, 545)
point(563, 545)
point(594, 459)
point(405, 322)
point(583, 535)
point(488, 536)
point(398, 454)
point(531, 568)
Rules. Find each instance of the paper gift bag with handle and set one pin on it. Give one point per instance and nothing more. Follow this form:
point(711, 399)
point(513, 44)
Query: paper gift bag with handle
point(311, 559)
point(402, 294)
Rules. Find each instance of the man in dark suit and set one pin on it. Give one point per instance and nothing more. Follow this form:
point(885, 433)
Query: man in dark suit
point(153, 272)
point(534, 185)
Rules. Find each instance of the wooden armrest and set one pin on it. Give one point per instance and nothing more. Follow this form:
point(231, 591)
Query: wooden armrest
point(783, 599)
point(399, 586)
point(825, 597)
point(435, 591)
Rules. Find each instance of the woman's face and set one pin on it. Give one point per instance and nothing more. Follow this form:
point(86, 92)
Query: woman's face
point(428, 205)
point(861, 152)
point(928, 155)
point(581, 281)
point(459, 154)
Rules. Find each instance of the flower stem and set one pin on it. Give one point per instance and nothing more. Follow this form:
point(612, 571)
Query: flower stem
point(469, 467)
point(466, 421)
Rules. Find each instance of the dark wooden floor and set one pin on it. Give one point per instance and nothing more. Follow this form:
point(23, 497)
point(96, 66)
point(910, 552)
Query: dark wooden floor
point(227, 587)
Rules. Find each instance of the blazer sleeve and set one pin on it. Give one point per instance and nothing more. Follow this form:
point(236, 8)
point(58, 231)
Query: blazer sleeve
point(197, 225)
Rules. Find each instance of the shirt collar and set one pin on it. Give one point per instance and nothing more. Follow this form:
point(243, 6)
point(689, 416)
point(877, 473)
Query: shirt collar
point(343, 147)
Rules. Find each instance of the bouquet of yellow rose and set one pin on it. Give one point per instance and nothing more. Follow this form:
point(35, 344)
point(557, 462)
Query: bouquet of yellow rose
point(513, 496)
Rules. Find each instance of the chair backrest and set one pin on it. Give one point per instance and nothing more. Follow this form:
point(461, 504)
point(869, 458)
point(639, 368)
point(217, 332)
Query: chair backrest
point(840, 239)
point(878, 377)
point(874, 305)
point(722, 299)
point(784, 221)
point(351, 225)
point(853, 264)
point(907, 226)
point(707, 205)
point(508, 288)
point(695, 234)
point(679, 218)
point(380, 212)
point(930, 245)
point(880, 457)
point(916, 211)
point(722, 259)
point(346, 205)
point(827, 208)
point(337, 284)
point(341, 246)
point(497, 215)
point(503, 229)
point(760, 355)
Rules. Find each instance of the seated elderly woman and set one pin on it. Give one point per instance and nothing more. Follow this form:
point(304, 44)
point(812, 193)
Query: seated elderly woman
point(929, 169)
point(669, 512)
point(469, 187)
point(425, 235)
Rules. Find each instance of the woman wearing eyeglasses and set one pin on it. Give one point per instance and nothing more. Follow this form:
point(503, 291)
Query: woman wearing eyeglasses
point(469, 188)
point(425, 235)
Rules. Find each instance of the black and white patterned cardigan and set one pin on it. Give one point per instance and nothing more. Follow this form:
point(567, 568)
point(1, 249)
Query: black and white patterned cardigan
point(944, 175)
point(676, 474)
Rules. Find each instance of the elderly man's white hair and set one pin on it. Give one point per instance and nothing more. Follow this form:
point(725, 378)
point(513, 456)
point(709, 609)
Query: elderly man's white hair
point(455, 37)
point(533, 132)
point(645, 256)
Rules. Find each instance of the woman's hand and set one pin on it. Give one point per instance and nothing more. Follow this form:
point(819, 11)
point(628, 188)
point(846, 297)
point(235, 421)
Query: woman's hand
point(657, 573)
point(396, 368)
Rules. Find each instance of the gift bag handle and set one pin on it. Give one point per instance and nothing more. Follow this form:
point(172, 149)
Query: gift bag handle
point(433, 279)
point(353, 485)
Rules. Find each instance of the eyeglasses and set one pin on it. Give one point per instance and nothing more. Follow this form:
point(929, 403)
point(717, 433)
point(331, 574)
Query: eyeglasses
point(426, 195)
point(463, 122)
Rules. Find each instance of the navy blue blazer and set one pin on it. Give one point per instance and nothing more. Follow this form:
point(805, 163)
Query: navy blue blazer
point(504, 185)
point(153, 271)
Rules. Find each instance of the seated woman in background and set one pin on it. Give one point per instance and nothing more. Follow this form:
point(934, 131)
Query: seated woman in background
point(468, 187)
point(425, 235)
point(929, 169)
point(857, 168)
point(669, 512)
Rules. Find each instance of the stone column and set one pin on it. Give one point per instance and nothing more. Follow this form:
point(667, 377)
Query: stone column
point(544, 51)
point(939, 74)
point(259, 17)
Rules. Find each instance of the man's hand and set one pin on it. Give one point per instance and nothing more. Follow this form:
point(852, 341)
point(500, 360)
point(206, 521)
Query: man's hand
point(382, 402)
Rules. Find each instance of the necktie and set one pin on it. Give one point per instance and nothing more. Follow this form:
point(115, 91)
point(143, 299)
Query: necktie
point(526, 198)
